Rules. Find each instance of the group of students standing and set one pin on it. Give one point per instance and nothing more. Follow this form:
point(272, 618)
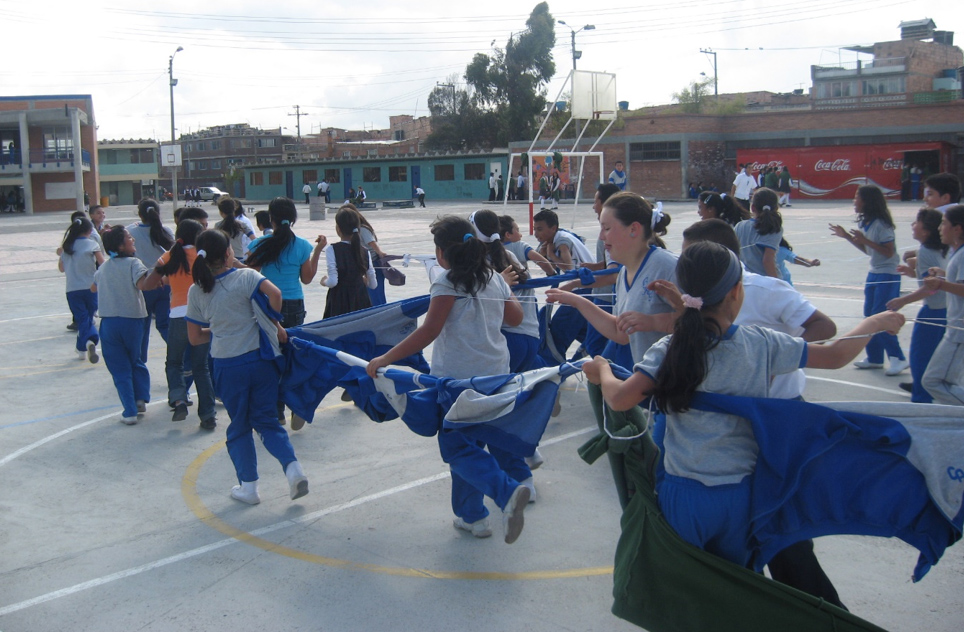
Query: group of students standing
point(201, 286)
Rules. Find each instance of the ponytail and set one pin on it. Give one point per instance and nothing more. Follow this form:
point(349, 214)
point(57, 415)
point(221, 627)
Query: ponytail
point(469, 269)
point(80, 226)
point(187, 233)
point(150, 213)
point(629, 208)
point(489, 230)
point(348, 225)
point(113, 239)
point(725, 207)
point(706, 272)
point(766, 205)
point(212, 249)
point(283, 216)
point(229, 225)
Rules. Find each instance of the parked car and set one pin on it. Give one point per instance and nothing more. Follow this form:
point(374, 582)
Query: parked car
point(211, 193)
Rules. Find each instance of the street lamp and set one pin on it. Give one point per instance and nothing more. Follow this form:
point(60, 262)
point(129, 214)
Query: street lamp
point(576, 54)
point(173, 82)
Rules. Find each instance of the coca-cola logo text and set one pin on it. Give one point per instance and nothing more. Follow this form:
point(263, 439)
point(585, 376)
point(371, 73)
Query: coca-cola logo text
point(758, 166)
point(841, 164)
point(893, 164)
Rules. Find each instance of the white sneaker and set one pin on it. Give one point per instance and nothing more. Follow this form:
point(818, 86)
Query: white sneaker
point(479, 528)
point(512, 518)
point(81, 355)
point(246, 493)
point(141, 406)
point(867, 364)
point(130, 421)
point(92, 352)
point(532, 489)
point(536, 460)
point(897, 366)
point(297, 481)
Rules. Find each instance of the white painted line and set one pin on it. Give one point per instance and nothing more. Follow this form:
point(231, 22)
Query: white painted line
point(873, 388)
point(57, 435)
point(14, 320)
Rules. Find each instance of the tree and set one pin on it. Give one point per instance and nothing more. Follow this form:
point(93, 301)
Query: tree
point(693, 97)
point(505, 90)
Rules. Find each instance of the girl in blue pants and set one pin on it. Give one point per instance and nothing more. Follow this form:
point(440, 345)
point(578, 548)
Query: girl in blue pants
point(931, 320)
point(469, 304)
point(80, 255)
point(119, 285)
point(219, 311)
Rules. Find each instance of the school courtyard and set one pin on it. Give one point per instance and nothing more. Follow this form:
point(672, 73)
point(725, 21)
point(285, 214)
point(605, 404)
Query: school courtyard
point(111, 527)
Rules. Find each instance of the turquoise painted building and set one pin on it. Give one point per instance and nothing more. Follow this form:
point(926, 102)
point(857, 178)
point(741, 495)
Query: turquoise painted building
point(127, 170)
point(456, 176)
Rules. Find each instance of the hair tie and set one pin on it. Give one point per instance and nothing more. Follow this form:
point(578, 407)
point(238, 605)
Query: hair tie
point(354, 230)
point(766, 207)
point(179, 241)
point(466, 237)
point(285, 222)
point(693, 302)
point(722, 195)
point(201, 253)
point(111, 254)
point(78, 221)
point(657, 215)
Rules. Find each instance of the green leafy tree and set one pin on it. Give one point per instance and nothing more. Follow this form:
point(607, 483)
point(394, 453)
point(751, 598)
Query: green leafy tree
point(694, 97)
point(505, 91)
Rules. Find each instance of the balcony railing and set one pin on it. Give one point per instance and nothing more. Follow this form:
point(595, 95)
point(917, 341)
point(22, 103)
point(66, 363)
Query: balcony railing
point(57, 157)
point(10, 163)
point(852, 68)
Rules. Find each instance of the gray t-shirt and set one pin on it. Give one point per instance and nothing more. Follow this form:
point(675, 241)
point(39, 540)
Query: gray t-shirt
point(519, 251)
point(117, 293)
point(81, 265)
point(147, 251)
point(367, 237)
point(577, 250)
point(955, 304)
point(715, 448)
point(471, 341)
point(604, 293)
point(929, 258)
point(227, 310)
point(633, 296)
point(753, 245)
point(880, 233)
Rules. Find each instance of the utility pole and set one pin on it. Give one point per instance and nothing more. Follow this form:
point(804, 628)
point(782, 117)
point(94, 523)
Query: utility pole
point(298, 113)
point(173, 82)
point(451, 86)
point(716, 91)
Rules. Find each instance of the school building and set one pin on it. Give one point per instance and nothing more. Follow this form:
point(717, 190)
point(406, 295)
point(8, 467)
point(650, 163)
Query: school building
point(443, 176)
point(48, 156)
point(127, 170)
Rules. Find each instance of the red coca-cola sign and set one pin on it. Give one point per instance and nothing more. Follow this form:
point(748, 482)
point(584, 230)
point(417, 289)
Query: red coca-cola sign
point(840, 164)
point(836, 172)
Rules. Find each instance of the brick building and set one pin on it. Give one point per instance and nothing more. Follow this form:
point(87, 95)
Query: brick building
point(48, 158)
point(212, 156)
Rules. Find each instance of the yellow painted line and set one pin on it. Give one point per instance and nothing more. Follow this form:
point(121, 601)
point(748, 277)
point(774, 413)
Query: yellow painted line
point(197, 506)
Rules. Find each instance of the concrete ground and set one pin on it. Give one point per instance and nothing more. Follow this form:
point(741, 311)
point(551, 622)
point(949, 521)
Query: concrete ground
point(110, 527)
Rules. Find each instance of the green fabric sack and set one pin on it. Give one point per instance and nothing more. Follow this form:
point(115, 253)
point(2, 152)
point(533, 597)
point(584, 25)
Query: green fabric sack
point(664, 584)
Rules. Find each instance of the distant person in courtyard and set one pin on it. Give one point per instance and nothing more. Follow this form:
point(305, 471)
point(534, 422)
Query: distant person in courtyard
point(743, 186)
point(420, 192)
point(493, 186)
point(307, 191)
point(617, 176)
point(783, 186)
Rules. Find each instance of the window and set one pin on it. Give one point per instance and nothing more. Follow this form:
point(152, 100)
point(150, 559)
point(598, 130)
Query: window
point(332, 176)
point(58, 144)
point(267, 142)
point(215, 144)
point(191, 165)
point(274, 177)
point(372, 174)
point(200, 146)
point(309, 175)
point(398, 174)
point(346, 153)
point(215, 164)
point(202, 165)
point(142, 156)
point(668, 150)
point(105, 157)
point(475, 171)
point(444, 172)
point(373, 153)
point(399, 134)
point(257, 178)
point(884, 85)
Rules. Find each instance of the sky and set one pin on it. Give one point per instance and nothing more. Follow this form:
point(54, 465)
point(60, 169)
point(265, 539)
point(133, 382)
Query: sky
point(353, 64)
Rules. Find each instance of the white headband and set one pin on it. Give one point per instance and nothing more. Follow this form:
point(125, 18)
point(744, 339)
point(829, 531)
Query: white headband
point(657, 216)
point(485, 239)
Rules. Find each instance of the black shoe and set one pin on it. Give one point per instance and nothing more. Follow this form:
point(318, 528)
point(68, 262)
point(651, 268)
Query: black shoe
point(907, 386)
point(72, 326)
point(180, 412)
point(209, 424)
point(346, 396)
